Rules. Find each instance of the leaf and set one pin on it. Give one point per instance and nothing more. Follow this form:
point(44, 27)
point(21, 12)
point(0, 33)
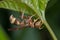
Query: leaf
point(3, 35)
point(24, 5)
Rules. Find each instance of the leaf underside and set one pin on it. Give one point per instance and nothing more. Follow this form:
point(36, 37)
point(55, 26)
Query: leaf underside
point(27, 6)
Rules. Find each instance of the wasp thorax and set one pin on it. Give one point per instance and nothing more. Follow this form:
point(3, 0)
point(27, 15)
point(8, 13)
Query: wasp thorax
point(26, 21)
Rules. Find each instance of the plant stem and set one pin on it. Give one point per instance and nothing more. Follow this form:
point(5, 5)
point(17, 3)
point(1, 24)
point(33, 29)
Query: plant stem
point(50, 30)
point(47, 26)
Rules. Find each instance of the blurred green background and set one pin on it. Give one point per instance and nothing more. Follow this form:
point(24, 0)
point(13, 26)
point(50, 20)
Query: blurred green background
point(52, 16)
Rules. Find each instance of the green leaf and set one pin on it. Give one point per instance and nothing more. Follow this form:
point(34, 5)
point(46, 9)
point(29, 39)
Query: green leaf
point(33, 6)
point(3, 35)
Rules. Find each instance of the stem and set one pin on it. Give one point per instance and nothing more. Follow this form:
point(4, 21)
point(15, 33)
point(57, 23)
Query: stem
point(47, 26)
point(49, 29)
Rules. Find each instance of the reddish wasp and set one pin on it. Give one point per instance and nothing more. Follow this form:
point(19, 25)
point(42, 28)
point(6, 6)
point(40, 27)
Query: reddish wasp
point(27, 22)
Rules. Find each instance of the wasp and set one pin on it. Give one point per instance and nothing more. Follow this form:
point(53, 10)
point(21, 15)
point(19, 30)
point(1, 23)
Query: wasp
point(27, 22)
